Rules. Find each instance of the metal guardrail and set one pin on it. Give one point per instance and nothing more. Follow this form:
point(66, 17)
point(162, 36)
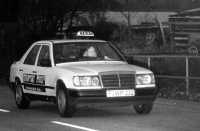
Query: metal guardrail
point(186, 77)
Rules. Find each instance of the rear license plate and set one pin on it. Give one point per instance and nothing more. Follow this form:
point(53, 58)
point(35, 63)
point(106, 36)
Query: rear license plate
point(118, 93)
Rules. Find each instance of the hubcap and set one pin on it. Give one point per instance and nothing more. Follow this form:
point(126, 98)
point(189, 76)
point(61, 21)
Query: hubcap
point(61, 101)
point(140, 106)
point(18, 94)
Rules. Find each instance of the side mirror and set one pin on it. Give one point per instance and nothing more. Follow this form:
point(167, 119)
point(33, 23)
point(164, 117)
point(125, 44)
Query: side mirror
point(45, 63)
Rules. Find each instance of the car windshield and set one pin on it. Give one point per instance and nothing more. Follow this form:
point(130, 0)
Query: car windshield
point(85, 51)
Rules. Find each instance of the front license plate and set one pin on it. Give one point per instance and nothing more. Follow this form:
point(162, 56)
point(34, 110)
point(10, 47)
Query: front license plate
point(118, 93)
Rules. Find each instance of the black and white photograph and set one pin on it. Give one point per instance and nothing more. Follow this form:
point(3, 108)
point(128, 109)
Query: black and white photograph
point(99, 65)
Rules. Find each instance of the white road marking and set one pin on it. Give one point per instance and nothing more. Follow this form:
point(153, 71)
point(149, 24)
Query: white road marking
point(4, 110)
point(74, 126)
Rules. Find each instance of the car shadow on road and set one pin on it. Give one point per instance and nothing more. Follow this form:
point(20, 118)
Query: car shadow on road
point(50, 110)
point(104, 111)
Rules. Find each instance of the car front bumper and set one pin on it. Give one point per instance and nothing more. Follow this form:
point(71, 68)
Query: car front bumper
point(98, 97)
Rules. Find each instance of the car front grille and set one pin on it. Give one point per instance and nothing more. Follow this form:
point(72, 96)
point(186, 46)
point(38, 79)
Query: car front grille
point(119, 79)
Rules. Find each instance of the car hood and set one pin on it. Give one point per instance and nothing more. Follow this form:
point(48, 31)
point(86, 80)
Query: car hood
point(96, 67)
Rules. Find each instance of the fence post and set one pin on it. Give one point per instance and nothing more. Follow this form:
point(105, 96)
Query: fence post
point(187, 77)
point(149, 62)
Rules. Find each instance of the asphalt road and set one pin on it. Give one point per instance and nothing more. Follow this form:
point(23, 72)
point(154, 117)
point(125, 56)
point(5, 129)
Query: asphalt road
point(167, 115)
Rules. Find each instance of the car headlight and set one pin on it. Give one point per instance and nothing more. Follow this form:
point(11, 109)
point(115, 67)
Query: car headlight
point(143, 79)
point(86, 81)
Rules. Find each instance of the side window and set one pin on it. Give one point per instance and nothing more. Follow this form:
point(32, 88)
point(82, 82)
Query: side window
point(31, 57)
point(44, 54)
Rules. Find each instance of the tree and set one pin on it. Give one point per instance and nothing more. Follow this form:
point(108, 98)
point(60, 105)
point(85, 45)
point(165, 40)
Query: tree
point(73, 12)
point(42, 16)
point(96, 9)
point(104, 29)
point(126, 10)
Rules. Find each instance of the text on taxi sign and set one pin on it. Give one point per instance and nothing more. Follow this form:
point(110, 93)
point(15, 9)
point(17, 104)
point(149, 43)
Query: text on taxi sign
point(85, 33)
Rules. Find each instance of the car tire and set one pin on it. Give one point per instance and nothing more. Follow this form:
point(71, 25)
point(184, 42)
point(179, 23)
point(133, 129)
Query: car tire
point(143, 108)
point(20, 98)
point(65, 106)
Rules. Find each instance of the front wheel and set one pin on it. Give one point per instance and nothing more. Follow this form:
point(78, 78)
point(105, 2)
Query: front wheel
point(65, 106)
point(143, 108)
point(20, 98)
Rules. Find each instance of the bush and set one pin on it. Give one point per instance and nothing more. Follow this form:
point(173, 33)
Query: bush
point(103, 29)
point(5, 64)
point(175, 89)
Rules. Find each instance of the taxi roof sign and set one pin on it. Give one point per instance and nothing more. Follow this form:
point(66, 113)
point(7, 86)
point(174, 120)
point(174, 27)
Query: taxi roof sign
point(85, 33)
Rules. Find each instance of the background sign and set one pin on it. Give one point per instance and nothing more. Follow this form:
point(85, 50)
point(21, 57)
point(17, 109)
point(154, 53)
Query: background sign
point(193, 51)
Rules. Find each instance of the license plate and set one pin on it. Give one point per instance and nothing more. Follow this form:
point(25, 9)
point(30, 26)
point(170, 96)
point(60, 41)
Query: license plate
point(118, 93)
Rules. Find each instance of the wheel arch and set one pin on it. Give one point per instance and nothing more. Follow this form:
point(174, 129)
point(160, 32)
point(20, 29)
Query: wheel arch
point(17, 80)
point(60, 84)
point(13, 84)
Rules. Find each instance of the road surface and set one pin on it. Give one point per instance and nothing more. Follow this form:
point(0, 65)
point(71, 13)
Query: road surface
point(167, 115)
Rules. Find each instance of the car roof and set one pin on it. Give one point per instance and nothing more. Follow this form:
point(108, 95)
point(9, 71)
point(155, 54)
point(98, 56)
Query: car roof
point(69, 40)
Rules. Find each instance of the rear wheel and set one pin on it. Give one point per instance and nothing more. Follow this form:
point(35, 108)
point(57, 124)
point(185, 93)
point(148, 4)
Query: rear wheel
point(20, 98)
point(143, 108)
point(65, 106)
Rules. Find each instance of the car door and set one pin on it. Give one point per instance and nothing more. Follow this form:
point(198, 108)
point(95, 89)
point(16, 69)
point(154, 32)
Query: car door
point(26, 70)
point(43, 71)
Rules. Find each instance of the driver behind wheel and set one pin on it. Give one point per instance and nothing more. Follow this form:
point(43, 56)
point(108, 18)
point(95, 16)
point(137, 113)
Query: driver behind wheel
point(91, 52)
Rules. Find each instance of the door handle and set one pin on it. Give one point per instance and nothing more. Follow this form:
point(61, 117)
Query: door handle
point(20, 69)
point(34, 71)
